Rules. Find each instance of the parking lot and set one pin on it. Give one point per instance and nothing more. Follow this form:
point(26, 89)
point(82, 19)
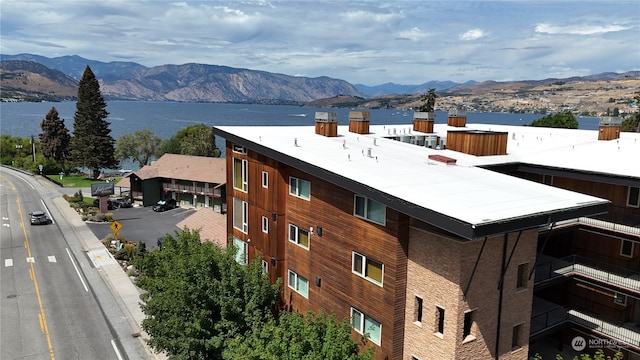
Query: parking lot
point(142, 223)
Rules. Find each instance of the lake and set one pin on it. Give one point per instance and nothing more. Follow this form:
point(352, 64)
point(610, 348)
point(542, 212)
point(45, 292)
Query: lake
point(166, 118)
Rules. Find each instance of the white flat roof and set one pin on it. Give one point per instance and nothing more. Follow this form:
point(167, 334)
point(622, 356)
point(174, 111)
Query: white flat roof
point(403, 171)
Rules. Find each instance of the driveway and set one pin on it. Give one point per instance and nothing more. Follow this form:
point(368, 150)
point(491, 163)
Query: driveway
point(142, 223)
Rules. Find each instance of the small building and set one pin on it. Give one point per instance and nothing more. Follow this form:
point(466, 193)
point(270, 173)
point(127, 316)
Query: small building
point(193, 181)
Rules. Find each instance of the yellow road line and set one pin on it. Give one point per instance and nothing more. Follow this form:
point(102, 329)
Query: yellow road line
point(32, 271)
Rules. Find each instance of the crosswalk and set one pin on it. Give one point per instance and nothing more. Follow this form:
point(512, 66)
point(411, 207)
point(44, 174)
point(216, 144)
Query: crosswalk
point(9, 262)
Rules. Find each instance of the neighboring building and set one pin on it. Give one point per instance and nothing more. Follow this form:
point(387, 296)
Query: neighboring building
point(425, 248)
point(193, 181)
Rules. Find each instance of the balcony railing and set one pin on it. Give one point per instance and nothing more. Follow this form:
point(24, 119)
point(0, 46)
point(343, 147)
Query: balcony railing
point(622, 215)
point(556, 315)
point(191, 189)
point(548, 268)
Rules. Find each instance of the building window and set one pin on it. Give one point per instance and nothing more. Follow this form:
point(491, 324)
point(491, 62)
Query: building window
point(300, 188)
point(239, 149)
point(240, 174)
point(265, 225)
point(240, 215)
point(439, 320)
point(364, 324)
point(467, 326)
point(516, 337)
point(265, 179)
point(547, 179)
point(620, 299)
point(523, 274)
point(298, 236)
point(265, 267)
point(633, 196)
point(241, 254)
point(299, 284)
point(367, 268)
point(626, 248)
point(370, 210)
point(417, 310)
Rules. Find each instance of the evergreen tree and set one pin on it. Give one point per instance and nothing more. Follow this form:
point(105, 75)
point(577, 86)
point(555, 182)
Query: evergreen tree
point(564, 119)
point(91, 145)
point(428, 101)
point(54, 139)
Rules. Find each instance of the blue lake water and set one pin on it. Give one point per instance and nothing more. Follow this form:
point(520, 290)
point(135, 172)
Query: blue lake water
point(165, 118)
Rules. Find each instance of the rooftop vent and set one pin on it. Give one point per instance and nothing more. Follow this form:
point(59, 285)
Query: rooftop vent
point(327, 123)
point(359, 122)
point(609, 128)
point(423, 121)
point(457, 118)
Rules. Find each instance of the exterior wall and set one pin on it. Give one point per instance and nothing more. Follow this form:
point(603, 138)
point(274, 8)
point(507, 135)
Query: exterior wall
point(329, 258)
point(425, 126)
point(439, 269)
point(477, 143)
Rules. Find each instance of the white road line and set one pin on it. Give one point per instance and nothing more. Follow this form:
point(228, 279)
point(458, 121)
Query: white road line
point(31, 260)
point(115, 348)
point(8, 262)
point(77, 271)
point(52, 258)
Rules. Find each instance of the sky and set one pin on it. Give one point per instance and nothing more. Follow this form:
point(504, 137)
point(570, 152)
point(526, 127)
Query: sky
point(362, 42)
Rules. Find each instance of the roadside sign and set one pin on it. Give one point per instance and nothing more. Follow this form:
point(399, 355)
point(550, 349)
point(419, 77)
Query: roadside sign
point(115, 226)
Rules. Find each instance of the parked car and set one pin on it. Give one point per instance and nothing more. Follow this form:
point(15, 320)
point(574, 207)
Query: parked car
point(163, 205)
point(110, 204)
point(38, 218)
point(122, 203)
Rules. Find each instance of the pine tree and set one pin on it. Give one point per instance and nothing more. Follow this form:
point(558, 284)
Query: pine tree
point(54, 139)
point(91, 145)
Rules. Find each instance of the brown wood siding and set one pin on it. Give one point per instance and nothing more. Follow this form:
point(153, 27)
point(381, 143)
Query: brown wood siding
point(477, 143)
point(329, 129)
point(617, 194)
point(608, 132)
point(358, 126)
point(330, 258)
point(425, 126)
point(457, 121)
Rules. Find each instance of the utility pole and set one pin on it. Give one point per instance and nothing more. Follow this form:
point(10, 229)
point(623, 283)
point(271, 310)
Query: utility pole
point(33, 148)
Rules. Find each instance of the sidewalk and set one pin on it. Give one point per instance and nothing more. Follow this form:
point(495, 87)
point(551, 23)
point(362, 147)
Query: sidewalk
point(125, 293)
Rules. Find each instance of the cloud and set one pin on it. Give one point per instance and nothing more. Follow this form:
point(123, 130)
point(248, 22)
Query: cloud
point(578, 29)
point(474, 34)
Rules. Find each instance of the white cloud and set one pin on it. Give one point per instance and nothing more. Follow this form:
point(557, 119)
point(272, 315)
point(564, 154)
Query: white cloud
point(474, 34)
point(578, 29)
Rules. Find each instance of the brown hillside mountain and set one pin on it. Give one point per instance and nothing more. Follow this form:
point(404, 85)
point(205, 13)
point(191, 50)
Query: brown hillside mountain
point(22, 79)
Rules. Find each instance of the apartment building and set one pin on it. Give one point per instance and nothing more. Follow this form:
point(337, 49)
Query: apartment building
point(409, 231)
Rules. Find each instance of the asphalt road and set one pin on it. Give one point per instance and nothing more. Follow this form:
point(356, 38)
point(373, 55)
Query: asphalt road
point(142, 224)
point(47, 304)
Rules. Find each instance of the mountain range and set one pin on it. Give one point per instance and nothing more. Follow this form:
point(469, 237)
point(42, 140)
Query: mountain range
point(38, 78)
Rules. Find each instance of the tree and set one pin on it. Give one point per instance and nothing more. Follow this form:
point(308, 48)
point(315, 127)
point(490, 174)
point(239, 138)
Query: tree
point(196, 140)
point(91, 145)
point(598, 355)
point(198, 297)
point(54, 139)
point(428, 101)
point(632, 123)
point(563, 119)
point(142, 146)
point(292, 336)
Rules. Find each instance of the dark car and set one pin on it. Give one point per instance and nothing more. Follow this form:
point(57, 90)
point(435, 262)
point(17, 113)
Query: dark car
point(122, 203)
point(163, 205)
point(110, 204)
point(38, 218)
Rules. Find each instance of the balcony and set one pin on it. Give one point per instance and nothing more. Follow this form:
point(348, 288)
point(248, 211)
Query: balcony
point(548, 269)
point(623, 215)
point(547, 315)
point(180, 188)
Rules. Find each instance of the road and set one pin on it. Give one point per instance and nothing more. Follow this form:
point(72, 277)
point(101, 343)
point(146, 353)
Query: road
point(53, 301)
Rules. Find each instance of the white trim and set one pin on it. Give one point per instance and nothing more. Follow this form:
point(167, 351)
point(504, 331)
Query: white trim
point(296, 284)
point(366, 216)
point(362, 271)
point(637, 201)
point(244, 210)
point(265, 225)
point(622, 297)
point(360, 329)
point(296, 238)
point(244, 174)
point(265, 179)
point(238, 149)
point(297, 193)
point(622, 242)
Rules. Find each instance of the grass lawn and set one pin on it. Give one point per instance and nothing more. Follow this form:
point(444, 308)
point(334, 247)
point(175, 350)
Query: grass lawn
point(75, 181)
